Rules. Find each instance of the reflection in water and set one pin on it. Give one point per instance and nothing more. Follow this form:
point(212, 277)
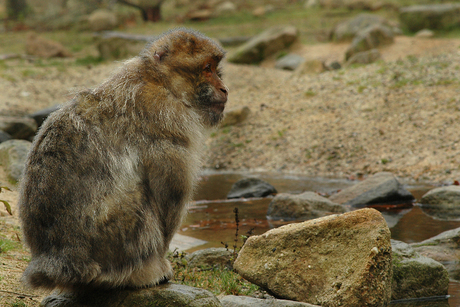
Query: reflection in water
point(416, 226)
point(211, 217)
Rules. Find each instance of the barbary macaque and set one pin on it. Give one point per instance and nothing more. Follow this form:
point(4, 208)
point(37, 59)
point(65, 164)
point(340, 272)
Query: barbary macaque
point(109, 175)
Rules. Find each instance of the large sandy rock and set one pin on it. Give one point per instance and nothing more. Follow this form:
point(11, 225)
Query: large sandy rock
point(442, 202)
point(337, 260)
point(416, 276)
point(305, 206)
point(380, 188)
point(265, 44)
point(167, 295)
point(435, 16)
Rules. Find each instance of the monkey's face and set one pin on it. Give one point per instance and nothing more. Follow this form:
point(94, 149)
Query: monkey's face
point(186, 63)
point(212, 93)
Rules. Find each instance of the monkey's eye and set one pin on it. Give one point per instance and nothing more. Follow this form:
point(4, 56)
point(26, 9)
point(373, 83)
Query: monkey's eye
point(208, 68)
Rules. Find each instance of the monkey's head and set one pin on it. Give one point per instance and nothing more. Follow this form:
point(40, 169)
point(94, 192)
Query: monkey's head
point(186, 63)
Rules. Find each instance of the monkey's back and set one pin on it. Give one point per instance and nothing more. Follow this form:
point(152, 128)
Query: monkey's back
point(84, 203)
point(109, 175)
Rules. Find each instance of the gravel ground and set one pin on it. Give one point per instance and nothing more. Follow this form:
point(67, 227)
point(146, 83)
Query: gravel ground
point(399, 115)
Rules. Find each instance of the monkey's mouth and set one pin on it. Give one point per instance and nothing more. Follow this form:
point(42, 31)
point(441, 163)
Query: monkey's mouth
point(218, 107)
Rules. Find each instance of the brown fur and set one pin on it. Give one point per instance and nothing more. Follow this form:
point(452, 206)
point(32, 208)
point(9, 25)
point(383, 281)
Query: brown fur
point(109, 175)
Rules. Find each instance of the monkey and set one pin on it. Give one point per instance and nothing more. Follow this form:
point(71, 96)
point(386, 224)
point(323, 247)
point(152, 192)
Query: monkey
point(109, 175)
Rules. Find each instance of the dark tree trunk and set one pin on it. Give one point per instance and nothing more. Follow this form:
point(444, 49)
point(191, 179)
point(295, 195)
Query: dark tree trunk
point(16, 9)
point(151, 13)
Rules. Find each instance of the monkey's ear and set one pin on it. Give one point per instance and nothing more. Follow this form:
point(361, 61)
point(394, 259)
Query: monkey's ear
point(159, 55)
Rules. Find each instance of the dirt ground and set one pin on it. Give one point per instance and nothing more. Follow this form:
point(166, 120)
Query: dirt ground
point(399, 115)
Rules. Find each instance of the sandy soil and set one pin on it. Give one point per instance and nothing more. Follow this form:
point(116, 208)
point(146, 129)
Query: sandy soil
point(399, 115)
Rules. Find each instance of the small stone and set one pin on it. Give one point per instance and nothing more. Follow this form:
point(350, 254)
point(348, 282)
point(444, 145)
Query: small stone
point(45, 48)
point(365, 57)
point(444, 16)
point(102, 20)
point(347, 30)
point(310, 67)
point(289, 62)
point(245, 301)
point(4, 136)
point(210, 257)
point(382, 187)
point(18, 127)
point(251, 187)
point(13, 155)
point(335, 65)
point(416, 276)
point(235, 116)
point(265, 44)
point(442, 202)
point(445, 248)
point(370, 38)
point(225, 8)
point(307, 205)
point(425, 33)
point(41, 115)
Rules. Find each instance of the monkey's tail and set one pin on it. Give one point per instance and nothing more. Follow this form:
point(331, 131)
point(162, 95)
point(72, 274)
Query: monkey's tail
point(49, 272)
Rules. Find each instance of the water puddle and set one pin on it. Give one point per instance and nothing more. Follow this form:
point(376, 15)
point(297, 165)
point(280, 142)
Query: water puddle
point(211, 217)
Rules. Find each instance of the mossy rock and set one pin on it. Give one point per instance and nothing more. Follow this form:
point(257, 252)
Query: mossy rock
point(416, 276)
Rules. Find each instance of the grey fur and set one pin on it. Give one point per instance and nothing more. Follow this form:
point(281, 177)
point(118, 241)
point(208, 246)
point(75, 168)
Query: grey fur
point(110, 173)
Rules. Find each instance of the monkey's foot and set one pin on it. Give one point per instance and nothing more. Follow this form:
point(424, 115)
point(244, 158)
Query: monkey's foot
point(164, 280)
point(152, 273)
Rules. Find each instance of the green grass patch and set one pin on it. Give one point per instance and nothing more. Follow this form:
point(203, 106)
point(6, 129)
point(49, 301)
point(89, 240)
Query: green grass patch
point(18, 303)
point(310, 93)
point(218, 280)
point(8, 78)
point(361, 88)
point(28, 73)
point(89, 60)
point(7, 245)
point(446, 82)
point(400, 83)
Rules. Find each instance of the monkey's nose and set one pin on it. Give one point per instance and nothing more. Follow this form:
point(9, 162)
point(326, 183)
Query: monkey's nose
point(224, 90)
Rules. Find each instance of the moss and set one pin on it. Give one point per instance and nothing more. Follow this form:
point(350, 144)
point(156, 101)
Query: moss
point(418, 277)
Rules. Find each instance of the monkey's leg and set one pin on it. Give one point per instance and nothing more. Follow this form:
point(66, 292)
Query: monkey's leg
point(157, 269)
point(154, 271)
